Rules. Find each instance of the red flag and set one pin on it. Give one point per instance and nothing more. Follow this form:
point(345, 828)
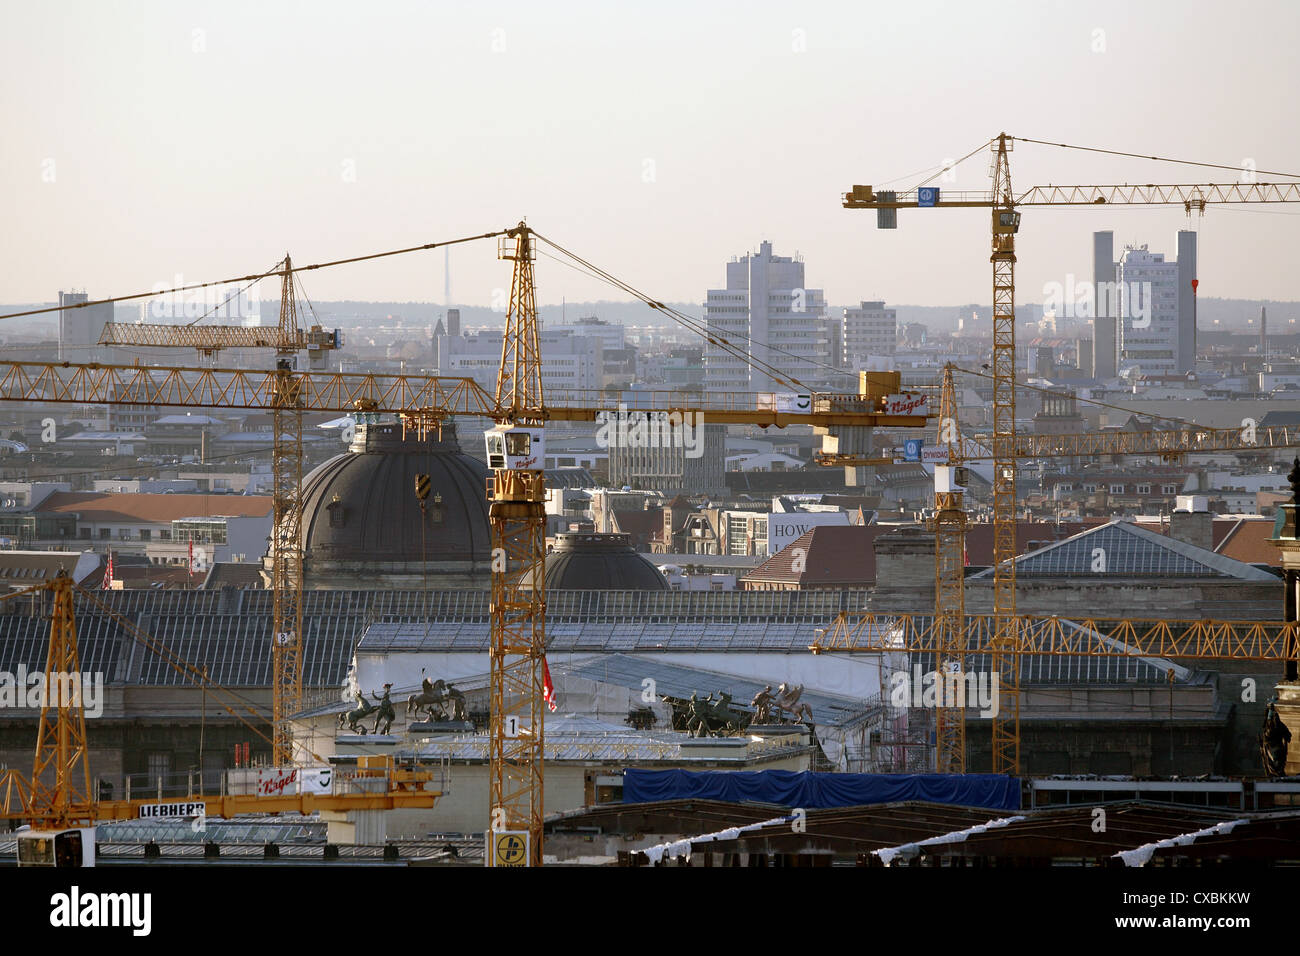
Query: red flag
point(108, 573)
point(191, 557)
point(548, 688)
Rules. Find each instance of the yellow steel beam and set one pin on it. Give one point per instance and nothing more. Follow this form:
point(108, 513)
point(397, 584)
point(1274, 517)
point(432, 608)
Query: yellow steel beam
point(340, 392)
point(230, 806)
point(1169, 194)
point(1069, 637)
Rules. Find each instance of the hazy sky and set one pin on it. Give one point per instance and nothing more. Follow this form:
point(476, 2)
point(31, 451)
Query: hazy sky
point(145, 140)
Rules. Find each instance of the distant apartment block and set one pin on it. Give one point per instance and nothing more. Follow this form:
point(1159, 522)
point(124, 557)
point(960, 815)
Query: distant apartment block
point(870, 332)
point(765, 310)
point(80, 327)
point(672, 469)
point(569, 361)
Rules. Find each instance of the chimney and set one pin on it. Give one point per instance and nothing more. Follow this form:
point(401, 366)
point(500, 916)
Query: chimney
point(1192, 522)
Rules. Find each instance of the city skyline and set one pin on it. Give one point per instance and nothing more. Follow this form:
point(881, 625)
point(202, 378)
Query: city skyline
point(193, 142)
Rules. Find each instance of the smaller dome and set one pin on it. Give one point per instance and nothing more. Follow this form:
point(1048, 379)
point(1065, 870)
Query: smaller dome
point(585, 561)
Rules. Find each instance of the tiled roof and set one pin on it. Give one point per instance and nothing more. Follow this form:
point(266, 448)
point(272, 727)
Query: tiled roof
point(832, 556)
point(1248, 541)
point(160, 508)
point(641, 525)
point(237, 574)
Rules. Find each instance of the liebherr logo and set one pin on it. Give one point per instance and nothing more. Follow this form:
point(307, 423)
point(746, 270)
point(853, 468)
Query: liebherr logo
point(76, 909)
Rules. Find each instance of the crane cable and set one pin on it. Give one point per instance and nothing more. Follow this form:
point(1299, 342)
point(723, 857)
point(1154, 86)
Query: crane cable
point(701, 327)
point(689, 322)
point(253, 278)
point(1092, 401)
point(1159, 159)
point(187, 670)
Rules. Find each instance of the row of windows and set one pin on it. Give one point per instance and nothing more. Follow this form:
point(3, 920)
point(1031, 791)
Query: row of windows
point(1120, 489)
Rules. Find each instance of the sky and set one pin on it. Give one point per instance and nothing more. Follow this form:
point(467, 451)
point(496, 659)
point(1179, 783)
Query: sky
point(147, 141)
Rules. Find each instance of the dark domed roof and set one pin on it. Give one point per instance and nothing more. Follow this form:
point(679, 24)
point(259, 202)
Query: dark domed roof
point(601, 562)
point(359, 509)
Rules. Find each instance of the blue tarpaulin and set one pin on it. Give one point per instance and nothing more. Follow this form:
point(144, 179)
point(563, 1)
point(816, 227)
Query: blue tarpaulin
point(788, 788)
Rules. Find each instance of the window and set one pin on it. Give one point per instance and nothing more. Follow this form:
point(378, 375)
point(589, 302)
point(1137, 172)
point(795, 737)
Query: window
point(160, 765)
point(105, 533)
point(1065, 486)
point(1169, 489)
point(1089, 488)
point(145, 534)
point(1116, 489)
point(1144, 489)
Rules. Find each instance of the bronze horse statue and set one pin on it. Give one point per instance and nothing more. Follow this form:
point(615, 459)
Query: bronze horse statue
point(353, 717)
point(435, 697)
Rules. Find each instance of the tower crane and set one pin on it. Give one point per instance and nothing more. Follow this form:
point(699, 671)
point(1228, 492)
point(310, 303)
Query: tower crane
point(515, 491)
point(1004, 204)
point(58, 800)
point(948, 637)
point(287, 339)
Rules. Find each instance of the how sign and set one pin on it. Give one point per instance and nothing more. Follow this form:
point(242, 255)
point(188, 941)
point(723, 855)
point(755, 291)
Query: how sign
point(785, 527)
point(912, 449)
point(927, 196)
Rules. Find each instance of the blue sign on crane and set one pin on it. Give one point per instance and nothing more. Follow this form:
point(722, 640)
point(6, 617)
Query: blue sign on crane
point(912, 449)
point(927, 196)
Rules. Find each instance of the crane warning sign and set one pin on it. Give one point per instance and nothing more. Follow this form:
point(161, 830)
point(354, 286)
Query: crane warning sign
point(508, 847)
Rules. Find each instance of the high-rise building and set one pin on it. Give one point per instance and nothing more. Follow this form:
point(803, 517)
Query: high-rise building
point(1145, 308)
point(1186, 294)
point(1104, 364)
point(870, 332)
point(767, 311)
point(80, 328)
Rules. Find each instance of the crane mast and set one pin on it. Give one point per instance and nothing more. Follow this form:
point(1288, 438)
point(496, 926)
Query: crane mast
point(517, 516)
point(949, 526)
point(286, 539)
point(1004, 663)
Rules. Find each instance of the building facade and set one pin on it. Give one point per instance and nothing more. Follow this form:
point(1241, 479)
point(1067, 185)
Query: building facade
point(870, 332)
point(765, 303)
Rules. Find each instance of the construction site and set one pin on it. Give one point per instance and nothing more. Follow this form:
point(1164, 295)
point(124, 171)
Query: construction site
point(634, 583)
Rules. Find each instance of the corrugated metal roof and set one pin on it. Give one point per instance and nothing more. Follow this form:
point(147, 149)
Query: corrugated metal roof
point(1122, 549)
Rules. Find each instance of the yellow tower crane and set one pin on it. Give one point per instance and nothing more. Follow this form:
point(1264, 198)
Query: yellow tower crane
point(1004, 204)
point(287, 338)
point(950, 637)
point(516, 457)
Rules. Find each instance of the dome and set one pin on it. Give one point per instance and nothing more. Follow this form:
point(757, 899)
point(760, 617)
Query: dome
point(363, 527)
point(600, 562)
